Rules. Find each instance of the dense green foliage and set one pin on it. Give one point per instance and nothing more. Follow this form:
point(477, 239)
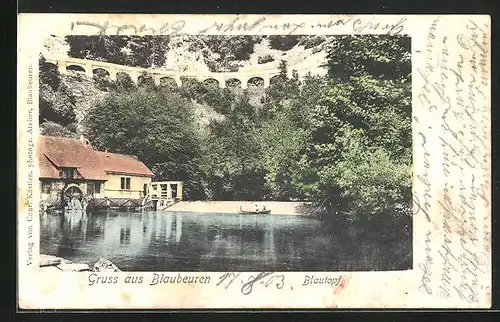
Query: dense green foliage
point(138, 51)
point(223, 53)
point(362, 125)
point(157, 127)
point(311, 41)
point(232, 158)
point(265, 59)
point(55, 129)
point(342, 141)
point(283, 42)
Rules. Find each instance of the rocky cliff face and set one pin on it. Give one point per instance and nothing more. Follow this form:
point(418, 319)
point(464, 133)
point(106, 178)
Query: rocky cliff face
point(68, 104)
point(86, 93)
point(203, 53)
point(77, 94)
point(55, 46)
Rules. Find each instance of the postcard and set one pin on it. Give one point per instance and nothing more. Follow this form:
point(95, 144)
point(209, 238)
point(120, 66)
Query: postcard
point(253, 161)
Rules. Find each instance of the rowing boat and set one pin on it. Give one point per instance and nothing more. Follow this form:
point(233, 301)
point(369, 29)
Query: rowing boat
point(256, 212)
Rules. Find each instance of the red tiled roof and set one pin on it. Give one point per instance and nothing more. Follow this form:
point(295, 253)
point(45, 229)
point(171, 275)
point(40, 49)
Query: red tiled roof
point(47, 168)
point(68, 152)
point(120, 163)
point(55, 152)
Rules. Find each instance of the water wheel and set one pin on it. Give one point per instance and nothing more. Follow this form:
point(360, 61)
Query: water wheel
point(72, 191)
point(73, 196)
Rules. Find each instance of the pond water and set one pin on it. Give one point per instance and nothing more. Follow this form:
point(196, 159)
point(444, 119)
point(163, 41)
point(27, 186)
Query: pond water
point(176, 241)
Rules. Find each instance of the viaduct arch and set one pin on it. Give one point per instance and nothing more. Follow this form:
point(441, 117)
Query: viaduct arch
point(259, 78)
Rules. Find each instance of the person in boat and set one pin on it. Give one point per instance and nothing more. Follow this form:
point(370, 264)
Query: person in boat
point(256, 208)
point(263, 208)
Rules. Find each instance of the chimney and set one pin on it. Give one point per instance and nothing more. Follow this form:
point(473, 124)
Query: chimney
point(84, 140)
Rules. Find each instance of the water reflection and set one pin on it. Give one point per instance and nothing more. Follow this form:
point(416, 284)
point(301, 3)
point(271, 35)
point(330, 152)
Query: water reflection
point(163, 241)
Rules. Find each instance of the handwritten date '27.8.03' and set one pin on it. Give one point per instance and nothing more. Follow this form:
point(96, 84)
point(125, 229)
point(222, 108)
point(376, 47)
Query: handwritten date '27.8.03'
point(266, 279)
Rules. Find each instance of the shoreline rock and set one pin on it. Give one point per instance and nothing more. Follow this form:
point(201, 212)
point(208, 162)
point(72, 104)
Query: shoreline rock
point(105, 265)
point(70, 267)
point(53, 263)
point(48, 260)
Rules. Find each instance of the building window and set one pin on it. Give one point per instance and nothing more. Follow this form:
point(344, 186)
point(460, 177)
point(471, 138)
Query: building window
point(90, 189)
point(45, 187)
point(67, 173)
point(93, 188)
point(125, 183)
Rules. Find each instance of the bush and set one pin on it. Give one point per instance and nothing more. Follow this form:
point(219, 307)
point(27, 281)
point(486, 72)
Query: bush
point(283, 42)
point(236, 47)
point(371, 182)
point(229, 50)
point(139, 51)
point(311, 41)
point(156, 126)
point(49, 74)
point(104, 83)
point(145, 80)
point(54, 129)
point(265, 59)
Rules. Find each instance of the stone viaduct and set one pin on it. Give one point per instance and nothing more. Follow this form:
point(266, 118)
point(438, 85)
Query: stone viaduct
point(258, 77)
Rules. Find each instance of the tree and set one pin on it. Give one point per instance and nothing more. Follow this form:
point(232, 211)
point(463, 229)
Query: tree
point(233, 159)
point(158, 127)
point(284, 134)
point(281, 90)
point(54, 129)
point(345, 138)
point(371, 89)
point(361, 126)
point(209, 93)
point(139, 51)
point(381, 56)
point(222, 52)
point(280, 143)
point(283, 42)
point(370, 182)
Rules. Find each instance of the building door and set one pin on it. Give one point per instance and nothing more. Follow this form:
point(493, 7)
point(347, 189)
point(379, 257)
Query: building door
point(174, 191)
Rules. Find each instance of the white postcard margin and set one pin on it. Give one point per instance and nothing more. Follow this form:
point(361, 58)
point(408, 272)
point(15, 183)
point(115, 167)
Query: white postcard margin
point(451, 59)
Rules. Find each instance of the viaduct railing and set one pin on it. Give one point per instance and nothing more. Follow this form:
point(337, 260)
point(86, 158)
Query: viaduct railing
point(159, 76)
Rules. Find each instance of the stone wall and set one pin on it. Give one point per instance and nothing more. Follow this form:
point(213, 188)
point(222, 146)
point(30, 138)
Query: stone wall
point(56, 187)
point(54, 194)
